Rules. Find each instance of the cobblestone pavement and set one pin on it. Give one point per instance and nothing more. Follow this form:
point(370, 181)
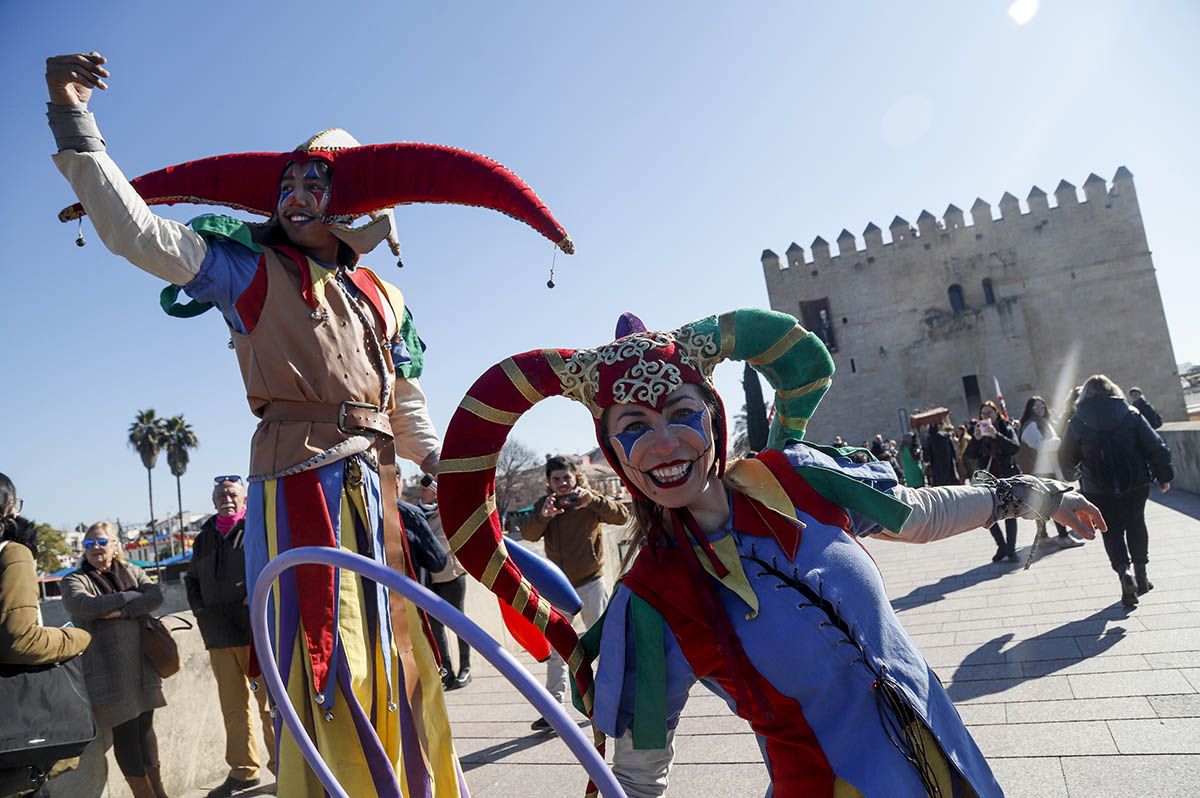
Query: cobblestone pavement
point(1066, 692)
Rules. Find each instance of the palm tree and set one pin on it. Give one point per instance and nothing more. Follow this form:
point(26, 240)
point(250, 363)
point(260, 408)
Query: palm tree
point(180, 439)
point(146, 438)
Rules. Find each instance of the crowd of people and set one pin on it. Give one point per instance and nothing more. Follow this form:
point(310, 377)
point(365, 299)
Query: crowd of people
point(1102, 440)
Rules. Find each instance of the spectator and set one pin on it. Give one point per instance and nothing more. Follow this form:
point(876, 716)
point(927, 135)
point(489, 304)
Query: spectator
point(23, 639)
point(993, 446)
point(1118, 455)
point(942, 455)
point(111, 598)
point(216, 591)
point(877, 447)
point(1136, 399)
point(451, 584)
point(569, 517)
point(910, 461)
point(1039, 456)
point(962, 439)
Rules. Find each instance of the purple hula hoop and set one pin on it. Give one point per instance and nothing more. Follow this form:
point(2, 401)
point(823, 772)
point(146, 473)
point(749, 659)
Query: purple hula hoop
point(460, 624)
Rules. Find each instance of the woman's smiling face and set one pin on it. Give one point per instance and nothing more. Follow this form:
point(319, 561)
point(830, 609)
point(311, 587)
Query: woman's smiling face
point(668, 454)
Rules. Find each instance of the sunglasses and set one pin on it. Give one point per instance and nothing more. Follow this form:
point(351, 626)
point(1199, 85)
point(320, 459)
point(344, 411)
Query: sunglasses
point(102, 542)
point(227, 478)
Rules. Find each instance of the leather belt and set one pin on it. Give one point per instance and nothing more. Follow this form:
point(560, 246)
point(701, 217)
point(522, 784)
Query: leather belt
point(352, 418)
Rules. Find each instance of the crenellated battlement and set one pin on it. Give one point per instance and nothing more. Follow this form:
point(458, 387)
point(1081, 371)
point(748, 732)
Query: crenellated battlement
point(931, 231)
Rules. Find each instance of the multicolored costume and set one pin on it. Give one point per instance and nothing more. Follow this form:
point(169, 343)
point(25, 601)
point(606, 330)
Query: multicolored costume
point(329, 366)
point(782, 612)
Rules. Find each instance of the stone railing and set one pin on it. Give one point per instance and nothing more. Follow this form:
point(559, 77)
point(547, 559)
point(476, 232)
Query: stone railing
point(1183, 437)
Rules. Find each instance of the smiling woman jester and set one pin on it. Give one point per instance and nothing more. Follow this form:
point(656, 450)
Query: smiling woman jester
point(751, 580)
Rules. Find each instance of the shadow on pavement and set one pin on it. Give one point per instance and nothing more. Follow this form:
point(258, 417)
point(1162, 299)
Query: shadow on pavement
point(931, 594)
point(1083, 632)
point(501, 750)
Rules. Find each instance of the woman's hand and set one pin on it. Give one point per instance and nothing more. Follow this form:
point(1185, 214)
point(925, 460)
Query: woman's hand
point(112, 616)
point(71, 78)
point(1081, 515)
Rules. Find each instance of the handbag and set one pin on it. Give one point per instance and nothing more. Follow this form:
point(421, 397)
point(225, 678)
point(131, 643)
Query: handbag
point(160, 647)
point(47, 716)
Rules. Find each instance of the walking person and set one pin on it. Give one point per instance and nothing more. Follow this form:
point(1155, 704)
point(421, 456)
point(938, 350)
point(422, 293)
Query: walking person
point(451, 584)
point(24, 641)
point(1138, 400)
point(994, 447)
point(940, 449)
point(216, 591)
point(1118, 455)
point(111, 599)
point(1038, 455)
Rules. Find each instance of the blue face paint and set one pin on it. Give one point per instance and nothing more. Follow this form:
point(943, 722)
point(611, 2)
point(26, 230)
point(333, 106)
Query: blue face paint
point(695, 422)
point(629, 438)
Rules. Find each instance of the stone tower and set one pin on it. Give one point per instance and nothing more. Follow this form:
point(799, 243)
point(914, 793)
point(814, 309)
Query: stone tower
point(1038, 300)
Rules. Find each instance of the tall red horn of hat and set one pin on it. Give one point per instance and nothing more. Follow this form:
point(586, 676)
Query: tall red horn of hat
point(366, 179)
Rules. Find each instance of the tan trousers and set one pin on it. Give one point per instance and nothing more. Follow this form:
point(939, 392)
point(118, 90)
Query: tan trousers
point(229, 665)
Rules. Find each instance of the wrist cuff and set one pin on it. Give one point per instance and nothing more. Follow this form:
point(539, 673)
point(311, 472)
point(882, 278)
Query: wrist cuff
point(74, 128)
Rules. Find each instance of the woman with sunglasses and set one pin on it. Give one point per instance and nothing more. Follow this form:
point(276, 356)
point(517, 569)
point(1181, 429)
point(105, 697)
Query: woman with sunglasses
point(751, 579)
point(110, 598)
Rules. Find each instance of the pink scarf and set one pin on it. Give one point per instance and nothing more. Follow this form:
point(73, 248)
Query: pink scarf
point(225, 523)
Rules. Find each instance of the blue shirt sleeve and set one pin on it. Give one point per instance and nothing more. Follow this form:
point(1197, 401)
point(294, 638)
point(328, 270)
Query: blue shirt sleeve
point(227, 270)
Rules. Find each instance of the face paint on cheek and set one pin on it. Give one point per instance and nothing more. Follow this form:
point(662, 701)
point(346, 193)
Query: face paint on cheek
point(629, 439)
point(694, 423)
point(285, 193)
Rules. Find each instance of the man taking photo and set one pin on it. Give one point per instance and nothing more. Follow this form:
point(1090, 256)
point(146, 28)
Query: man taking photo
point(569, 518)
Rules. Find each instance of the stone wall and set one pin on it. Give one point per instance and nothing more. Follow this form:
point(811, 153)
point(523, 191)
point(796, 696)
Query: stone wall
point(1072, 292)
point(1183, 438)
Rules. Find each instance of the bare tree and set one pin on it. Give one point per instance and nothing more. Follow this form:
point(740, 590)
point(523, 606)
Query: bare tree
point(515, 458)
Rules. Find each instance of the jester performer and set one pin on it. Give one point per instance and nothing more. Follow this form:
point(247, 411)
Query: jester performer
point(752, 578)
point(327, 360)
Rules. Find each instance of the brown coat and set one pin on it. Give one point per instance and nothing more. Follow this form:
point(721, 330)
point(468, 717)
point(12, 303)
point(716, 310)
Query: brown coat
point(573, 539)
point(120, 680)
point(24, 641)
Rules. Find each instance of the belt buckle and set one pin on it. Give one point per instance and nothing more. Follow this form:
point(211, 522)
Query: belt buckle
point(341, 419)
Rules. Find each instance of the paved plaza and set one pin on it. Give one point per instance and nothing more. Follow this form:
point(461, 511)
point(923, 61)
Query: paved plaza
point(1066, 692)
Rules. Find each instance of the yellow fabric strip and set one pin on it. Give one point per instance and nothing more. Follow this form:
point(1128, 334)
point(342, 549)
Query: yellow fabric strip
point(394, 298)
point(521, 382)
point(542, 615)
point(794, 424)
point(521, 598)
point(753, 478)
point(488, 413)
point(555, 360)
point(728, 335)
point(780, 347)
point(815, 385)
point(576, 658)
point(735, 580)
point(494, 565)
point(319, 276)
point(465, 465)
point(471, 524)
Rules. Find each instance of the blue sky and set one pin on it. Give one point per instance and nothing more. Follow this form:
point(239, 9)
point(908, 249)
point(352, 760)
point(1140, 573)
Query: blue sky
point(675, 141)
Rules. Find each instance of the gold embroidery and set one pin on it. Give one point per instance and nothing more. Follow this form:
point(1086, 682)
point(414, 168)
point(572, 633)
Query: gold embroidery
point(463, 465)
point(481, 514)
point(521, 382)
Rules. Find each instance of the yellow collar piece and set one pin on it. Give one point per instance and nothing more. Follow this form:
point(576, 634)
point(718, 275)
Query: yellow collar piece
point(736, 579)
point(753, 478)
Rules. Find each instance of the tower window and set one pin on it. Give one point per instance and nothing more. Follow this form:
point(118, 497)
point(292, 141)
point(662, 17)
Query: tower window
point(956, 299)
point(989, 292)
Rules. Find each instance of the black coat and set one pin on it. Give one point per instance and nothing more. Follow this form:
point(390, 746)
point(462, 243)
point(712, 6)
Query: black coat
point(1113, 447)
point(427, 553)
point(995, 455)
point(943, 458)
point(216, 586)
point(1148, 412)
